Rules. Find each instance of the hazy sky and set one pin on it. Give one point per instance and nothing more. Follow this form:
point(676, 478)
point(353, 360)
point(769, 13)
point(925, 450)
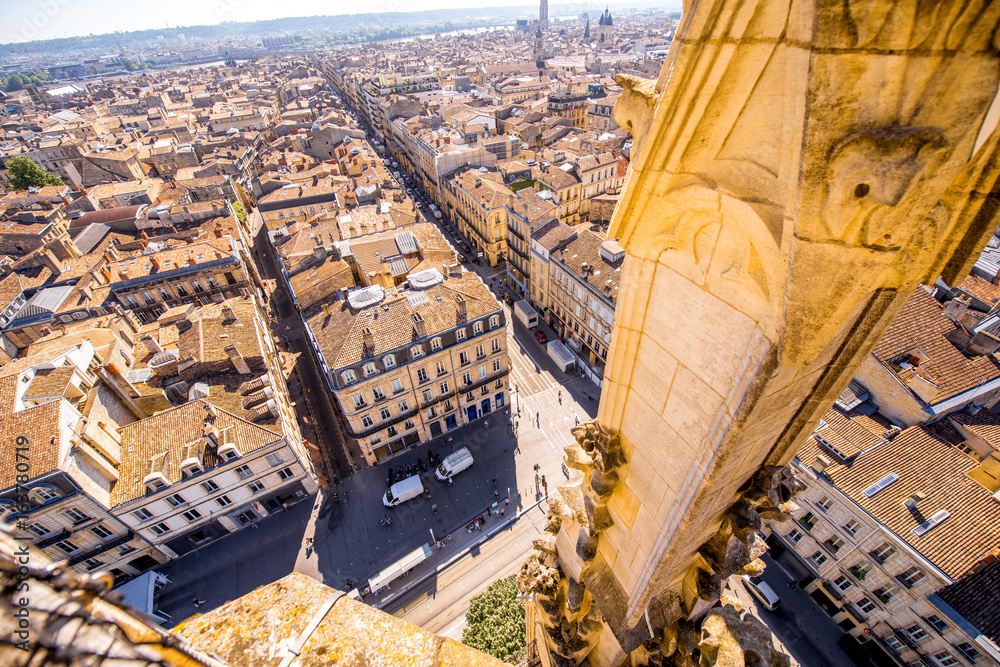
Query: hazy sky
point(26, 20)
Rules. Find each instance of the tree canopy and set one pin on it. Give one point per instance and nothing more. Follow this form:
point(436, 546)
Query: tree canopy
point(26, 174)
point(239, 211)
point(18, 80)
point(496, 621)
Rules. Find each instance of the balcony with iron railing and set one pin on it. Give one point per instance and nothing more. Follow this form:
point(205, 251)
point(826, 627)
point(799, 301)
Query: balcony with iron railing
point(107, 546)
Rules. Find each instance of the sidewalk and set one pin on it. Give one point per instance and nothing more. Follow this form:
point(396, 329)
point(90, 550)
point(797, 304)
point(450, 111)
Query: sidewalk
point(457, 544)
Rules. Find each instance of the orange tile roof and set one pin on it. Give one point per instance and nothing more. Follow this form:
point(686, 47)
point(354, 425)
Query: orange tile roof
point(925, 463)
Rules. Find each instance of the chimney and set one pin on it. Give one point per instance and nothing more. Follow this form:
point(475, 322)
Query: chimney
point(238, 361)
point(218, 231)
point(151, 344)
point(369, 340)
point(419, 326)
point(51, 261)
point(229, 314)
point(155, 261)
point(326, 309)
point(912, 501)
point(192, 260)
point(820, 464)
point(460, 306)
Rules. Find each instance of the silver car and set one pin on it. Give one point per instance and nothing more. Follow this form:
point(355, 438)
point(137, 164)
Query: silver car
point(761, 590)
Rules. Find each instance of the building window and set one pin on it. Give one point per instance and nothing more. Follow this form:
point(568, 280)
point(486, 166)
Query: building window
point(808, 521)
point(494, 322)
point(835, 543)
point(842, 582)
point(244, 471)
point(223, 501)
point(463, 358)
point(885, 593)
point(255, 487)
point(385, 414)
point(480, 352)
point(403, 406)
point(444, 388)
point(76, 516)
point(968, 650)
point(859, 570)
point(825, 503)
point(937, 622)
point(916, 632)
point(482, 372)
point(285, 474)
point(359, 401)
point(101, 532)
point(389, 361)
point(460, 334)
point(349, 376)
point(378, 393)
point(496, 365)
point(38, 529)
point(945, 659)
point(496, 344)
point(210, 486)
point(818, 559)
point(366, 421)
point(159, 529)
point(175, 500)
point(441, 369)
point(421, 375)
point(191, 515)
point(397, 386)
point(894, 644)
point(66, 546)
point(910, 577)
point(436, 344)
point(274, 459)
point(92, 563)
point(865, 605)
point(484, 390)
point(369, 369)
point(852, 527)
point(416, 351)
point(477, 328)
point(883, 552)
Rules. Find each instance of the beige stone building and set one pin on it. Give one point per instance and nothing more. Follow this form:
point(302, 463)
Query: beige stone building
point(408, 365)
point(887, 520)
point(574, 286)
point(476, 197)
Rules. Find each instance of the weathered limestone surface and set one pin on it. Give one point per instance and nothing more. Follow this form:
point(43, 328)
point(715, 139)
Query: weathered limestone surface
point(800, 167)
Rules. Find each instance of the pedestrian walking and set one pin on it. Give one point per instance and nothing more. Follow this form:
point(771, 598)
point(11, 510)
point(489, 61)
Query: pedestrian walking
point(496, 494)
point(545, 485)
point(501, 511)
point(506, 500)
point(434, 508)
point(576, 420)
point(494, 480)
point(253, 523)
point(560, 397)
point(197, 602)
point(284, 506)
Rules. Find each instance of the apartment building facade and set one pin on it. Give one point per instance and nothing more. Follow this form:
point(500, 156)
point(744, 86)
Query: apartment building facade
point(405, 368)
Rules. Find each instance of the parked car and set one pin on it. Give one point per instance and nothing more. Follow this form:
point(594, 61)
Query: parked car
point(541, 337)
point(399, 492)
point(761, 590)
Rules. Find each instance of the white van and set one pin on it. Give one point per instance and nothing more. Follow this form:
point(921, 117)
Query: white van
point(403, 491)
point(454, 463)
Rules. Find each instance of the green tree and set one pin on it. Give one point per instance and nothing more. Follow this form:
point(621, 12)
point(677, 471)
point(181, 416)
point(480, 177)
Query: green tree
point(495, 621)
point(241, 213)
point(26, 174)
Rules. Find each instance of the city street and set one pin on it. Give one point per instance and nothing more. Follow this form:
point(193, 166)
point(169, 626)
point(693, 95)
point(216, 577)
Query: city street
point(350, 541)
point(800, 628)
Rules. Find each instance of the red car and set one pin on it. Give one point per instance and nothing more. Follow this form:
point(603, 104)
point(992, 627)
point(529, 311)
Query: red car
point(541, 337)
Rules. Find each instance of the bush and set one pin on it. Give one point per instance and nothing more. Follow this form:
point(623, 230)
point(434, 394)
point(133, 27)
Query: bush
point(496, 621)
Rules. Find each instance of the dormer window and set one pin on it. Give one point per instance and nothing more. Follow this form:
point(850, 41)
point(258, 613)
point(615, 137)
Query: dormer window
point(228, 452)
point(369, 369)
point(349, 377)
point(43, 493)
point(190, 467)
point(8, 508)
point(460, 334)
point(416, 351)
point(389, 361)
point(477, 328)
point(436, 344)
point(155, 481)
point(494, 322)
